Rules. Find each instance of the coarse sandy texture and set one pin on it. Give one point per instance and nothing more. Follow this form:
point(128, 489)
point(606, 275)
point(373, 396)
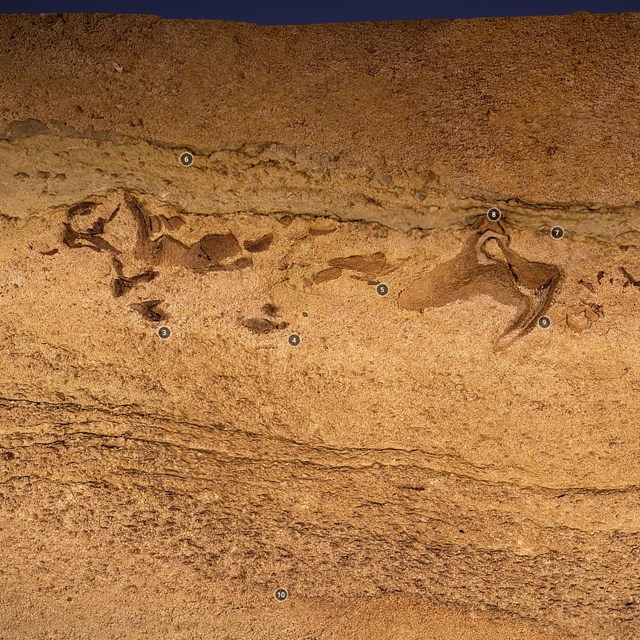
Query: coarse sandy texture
point(429, 463)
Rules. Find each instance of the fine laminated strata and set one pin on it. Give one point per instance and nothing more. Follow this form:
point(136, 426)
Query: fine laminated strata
point(308, 359)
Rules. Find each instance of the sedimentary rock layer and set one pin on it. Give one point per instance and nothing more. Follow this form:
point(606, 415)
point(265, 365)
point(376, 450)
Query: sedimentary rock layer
point(425, 459)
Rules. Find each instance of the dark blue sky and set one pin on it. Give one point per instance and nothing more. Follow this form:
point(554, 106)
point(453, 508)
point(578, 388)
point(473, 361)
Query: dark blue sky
point(307, 11)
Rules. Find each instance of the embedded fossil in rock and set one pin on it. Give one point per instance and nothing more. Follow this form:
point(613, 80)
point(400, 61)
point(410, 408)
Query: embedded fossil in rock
point(206, 254)
point(331, 273)
point(87, 228)
point(364, 264)
point(581, 317)
point(148, 309)
point(487, 265)
point(630, 280)
point(262, 325)
point(261, 244)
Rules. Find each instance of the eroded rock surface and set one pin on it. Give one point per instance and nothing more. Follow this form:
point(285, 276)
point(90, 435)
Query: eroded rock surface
point(426, 463)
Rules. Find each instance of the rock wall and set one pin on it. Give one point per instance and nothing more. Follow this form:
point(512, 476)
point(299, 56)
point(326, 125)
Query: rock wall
point(303, 356)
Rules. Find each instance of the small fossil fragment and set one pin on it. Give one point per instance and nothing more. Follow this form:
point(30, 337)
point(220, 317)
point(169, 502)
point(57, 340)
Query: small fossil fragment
point(241, 263)
point(331, 273)
point(270, 309)
point(82, 209)
point(587, 285)
point(581, 317)
point(261, 244)
point(364, 264)
point(630, 279)
point(262, 325)
point(148, 310)
point(174, 223)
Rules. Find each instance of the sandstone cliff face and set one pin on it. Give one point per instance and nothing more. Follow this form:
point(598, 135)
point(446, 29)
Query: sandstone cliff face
point(304, 357)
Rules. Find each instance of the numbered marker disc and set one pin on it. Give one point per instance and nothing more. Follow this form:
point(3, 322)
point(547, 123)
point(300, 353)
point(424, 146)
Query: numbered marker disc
point(557, 233)
point(164, 332)
point(186, 159)
point(281, 595)
point(544, 322)
point(294, 339)
point(494, 214)
point(382, 289)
